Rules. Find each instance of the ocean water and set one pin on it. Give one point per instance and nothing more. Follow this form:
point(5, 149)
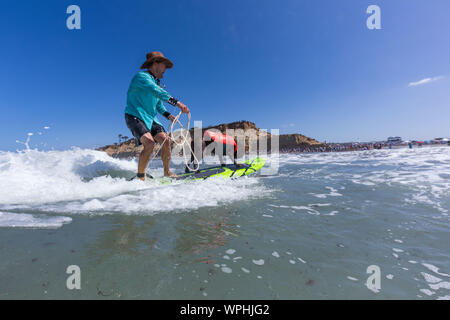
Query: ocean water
point(311, 231)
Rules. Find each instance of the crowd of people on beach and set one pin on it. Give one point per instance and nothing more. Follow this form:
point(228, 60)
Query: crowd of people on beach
point(333, 147)
point(359, 146)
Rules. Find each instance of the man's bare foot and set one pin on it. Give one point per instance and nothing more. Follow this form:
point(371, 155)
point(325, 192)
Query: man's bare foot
point(142, 176)
point(170, 174)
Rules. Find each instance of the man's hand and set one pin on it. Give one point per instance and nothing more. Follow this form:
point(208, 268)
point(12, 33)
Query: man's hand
point(182, 107)
point(171, 118)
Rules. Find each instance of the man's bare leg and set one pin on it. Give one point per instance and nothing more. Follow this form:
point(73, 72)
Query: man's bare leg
point(165, 153)
point(148, 143)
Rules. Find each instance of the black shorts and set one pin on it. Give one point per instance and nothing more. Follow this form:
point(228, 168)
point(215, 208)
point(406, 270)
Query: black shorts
point(138, 127)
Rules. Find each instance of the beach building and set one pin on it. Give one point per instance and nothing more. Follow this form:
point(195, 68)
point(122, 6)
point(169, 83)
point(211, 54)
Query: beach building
point(394, 140)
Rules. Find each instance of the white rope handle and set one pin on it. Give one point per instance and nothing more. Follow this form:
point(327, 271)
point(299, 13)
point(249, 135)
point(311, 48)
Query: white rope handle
point(184, 140)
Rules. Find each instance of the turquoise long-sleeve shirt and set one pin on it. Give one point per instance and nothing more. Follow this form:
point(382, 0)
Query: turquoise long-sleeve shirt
point(145, 98)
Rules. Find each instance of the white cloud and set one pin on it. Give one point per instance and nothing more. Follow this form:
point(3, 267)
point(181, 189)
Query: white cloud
point(424, 81)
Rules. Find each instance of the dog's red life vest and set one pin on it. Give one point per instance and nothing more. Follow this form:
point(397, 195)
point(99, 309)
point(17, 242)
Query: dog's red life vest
point(220, 138)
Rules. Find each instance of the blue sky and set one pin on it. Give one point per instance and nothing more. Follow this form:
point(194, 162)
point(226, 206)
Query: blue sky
point(302, 66)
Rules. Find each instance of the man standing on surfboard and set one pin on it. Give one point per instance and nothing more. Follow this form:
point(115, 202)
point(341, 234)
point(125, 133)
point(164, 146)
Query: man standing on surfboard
point(145, 99)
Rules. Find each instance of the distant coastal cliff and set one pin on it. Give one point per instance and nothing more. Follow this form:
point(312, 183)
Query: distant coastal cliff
point(128, 149)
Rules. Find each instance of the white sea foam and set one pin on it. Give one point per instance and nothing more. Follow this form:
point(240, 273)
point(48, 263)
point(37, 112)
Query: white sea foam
point(430, 278)
point(227, 270)
point(301, 260)
point(423, 171)
point(245, 270)
point(307, 208)
point(259, 262)
point(440, 285)
point(24, 220)
point(428, 292)
point(434, 269)
point(310, 208)
point(89, 181)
